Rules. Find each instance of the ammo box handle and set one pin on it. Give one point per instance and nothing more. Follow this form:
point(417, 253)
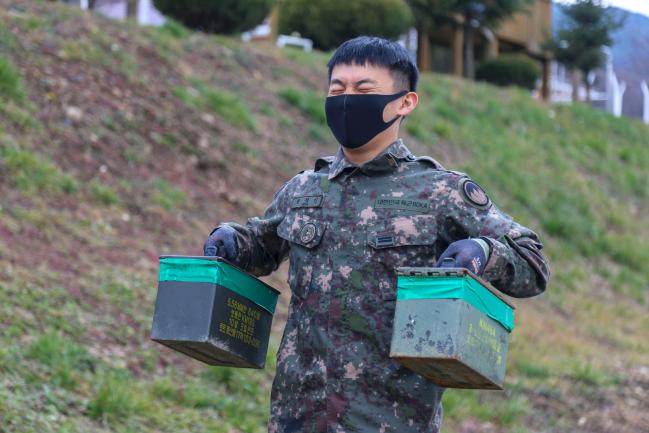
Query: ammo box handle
point(448, 262)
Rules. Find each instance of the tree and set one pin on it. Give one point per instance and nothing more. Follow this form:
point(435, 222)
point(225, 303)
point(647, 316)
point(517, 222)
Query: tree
point(579, 44)
point(330, 22)
point(474, 14)
point(216, 16)
point(131, 8)
point(431, 14)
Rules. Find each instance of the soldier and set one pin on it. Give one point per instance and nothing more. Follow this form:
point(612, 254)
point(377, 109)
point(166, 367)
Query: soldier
point(346, 226)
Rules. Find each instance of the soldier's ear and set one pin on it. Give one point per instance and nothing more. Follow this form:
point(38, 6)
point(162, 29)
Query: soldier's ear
point(408, 103)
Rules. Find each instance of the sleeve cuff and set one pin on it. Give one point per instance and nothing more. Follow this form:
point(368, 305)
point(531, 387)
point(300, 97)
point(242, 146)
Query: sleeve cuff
point(486, 248)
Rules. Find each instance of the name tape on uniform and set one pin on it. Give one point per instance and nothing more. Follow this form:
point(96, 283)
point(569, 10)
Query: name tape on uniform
point(402, 203)
point(306, 201)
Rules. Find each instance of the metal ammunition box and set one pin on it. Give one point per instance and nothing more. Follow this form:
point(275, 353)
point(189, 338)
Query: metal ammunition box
point(451, 327)
point(212, 311)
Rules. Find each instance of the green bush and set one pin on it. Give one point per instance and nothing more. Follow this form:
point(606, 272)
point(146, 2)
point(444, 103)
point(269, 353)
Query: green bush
point(216, 16)
point(509, 71)
point(330, 22)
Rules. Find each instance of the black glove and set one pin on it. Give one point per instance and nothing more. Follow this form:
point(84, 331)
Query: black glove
point(467, 253)
point(222, 242)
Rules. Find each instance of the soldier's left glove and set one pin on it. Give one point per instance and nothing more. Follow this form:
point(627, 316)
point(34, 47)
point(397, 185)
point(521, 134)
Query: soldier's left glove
point(468, 253)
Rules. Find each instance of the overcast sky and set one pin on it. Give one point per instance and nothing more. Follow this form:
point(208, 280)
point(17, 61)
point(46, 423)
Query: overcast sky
point(641, 6)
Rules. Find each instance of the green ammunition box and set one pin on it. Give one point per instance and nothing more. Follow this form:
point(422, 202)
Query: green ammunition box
point(212, 311)
point(451, 327)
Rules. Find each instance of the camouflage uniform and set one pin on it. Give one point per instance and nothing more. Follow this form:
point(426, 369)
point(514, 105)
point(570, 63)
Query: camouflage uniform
point(346, 229)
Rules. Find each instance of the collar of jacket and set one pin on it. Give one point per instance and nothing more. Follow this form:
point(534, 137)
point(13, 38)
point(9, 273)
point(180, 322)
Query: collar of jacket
point(387, 160)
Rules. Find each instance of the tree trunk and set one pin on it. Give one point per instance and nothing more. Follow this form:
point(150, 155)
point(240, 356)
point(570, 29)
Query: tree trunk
point(91, 4)
point(588, 98)
point(131, 8)
point(574, 75)
point(424, 59)
point(469, 35)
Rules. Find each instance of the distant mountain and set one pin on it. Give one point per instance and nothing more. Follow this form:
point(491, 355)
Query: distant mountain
point(630, 53)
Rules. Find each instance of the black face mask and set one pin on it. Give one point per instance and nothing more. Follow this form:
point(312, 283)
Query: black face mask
point(356, 119)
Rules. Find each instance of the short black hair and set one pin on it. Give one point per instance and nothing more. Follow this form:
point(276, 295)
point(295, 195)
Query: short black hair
point(377, 51)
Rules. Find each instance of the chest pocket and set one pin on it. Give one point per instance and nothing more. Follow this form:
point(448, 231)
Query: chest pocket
point(304, 229)
point(402, 241)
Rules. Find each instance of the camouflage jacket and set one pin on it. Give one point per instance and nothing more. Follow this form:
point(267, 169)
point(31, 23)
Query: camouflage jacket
point(346, 228)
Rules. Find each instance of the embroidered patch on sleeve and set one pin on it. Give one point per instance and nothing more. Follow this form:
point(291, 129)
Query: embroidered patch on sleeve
point(474, 194)
point(308, 233)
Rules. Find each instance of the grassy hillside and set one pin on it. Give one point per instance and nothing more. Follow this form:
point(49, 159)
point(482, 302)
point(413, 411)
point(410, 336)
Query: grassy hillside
point(118, 144)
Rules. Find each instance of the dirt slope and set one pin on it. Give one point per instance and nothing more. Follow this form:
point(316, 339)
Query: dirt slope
point(118, 144)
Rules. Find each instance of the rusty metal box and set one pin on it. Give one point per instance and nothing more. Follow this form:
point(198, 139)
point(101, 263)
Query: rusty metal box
point(451, 327)
point(212, 311)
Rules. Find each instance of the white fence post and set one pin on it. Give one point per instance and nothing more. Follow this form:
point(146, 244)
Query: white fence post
point(612, 85)
point(143, 11)
point(618, 97)
point(645, 100)
point(83, 4)
point(614, 88)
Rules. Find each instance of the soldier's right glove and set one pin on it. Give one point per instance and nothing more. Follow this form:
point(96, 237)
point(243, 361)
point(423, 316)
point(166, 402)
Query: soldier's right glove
point(222, 242)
